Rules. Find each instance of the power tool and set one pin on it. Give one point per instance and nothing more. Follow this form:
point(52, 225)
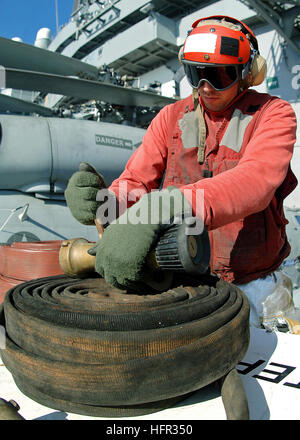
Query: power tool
point(181, 247)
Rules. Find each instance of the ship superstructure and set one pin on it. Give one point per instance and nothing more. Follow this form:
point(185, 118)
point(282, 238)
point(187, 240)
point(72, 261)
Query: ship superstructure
point(135, 43)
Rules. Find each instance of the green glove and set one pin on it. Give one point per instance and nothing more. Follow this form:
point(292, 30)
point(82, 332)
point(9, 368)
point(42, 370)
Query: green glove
point(122, 251)
point(81, 194)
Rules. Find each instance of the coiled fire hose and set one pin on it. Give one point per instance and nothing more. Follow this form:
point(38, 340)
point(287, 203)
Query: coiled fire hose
point(82, 346)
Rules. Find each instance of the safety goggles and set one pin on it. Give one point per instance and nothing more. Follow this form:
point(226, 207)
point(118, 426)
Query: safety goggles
point(219, 77)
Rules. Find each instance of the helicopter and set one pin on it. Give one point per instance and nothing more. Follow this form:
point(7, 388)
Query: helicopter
point(41, 145)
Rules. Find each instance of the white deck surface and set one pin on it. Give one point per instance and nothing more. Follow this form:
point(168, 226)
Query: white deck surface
point(272, 394)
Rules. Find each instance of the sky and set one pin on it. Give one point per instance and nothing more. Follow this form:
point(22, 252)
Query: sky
point(23, 18)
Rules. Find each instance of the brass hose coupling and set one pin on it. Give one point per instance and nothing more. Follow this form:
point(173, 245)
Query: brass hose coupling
point(74, 258)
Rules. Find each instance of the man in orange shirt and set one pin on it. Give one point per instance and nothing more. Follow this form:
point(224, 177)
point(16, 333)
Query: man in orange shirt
point(225, 148)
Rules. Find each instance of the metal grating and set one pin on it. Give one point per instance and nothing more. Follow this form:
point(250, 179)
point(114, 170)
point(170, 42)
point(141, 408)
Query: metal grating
point(145, 58)
point(283, 16)
point(178, 8)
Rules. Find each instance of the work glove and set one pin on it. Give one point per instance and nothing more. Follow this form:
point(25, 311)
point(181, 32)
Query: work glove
point(121, 252)
point(81, 193)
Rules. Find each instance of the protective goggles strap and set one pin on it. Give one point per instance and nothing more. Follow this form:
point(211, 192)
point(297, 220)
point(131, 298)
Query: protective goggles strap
point(202, 126)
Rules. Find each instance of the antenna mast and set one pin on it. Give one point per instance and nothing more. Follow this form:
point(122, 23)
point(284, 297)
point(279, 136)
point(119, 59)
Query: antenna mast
point(56, 13)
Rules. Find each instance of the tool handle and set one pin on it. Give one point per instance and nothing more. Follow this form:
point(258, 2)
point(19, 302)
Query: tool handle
point(99, 227)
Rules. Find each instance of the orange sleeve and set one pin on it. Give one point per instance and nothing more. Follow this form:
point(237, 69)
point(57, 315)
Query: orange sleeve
point(250, 186)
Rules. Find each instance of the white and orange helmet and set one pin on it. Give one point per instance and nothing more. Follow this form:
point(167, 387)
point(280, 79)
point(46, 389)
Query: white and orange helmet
point(222, 51)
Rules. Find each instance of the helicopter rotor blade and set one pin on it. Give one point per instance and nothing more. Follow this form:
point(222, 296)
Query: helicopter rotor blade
point(82, 88)
point(14, 54)
point(15, 105)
